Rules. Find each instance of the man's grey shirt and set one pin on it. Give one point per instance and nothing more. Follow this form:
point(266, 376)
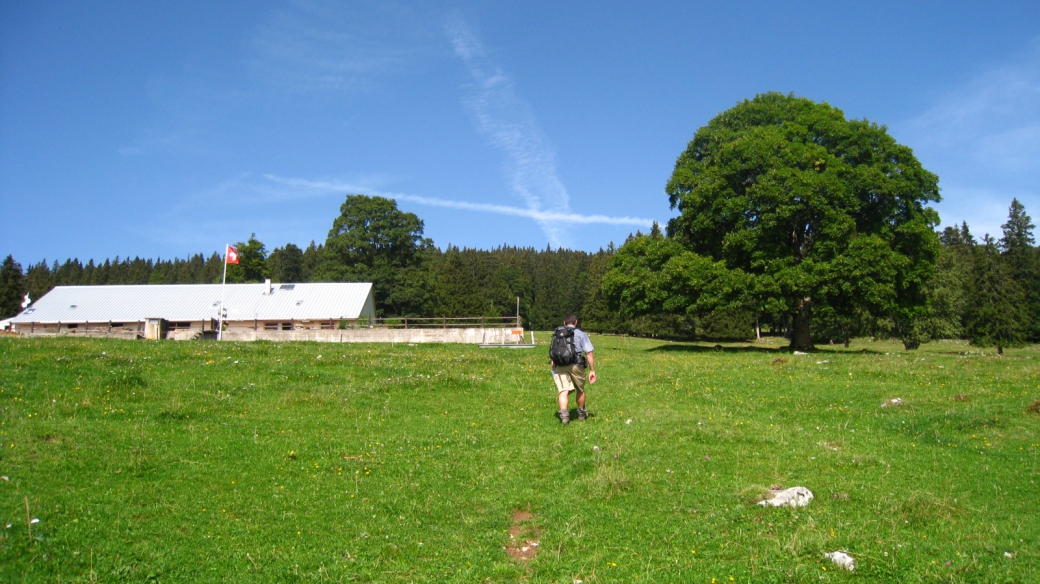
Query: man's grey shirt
point(582, 341)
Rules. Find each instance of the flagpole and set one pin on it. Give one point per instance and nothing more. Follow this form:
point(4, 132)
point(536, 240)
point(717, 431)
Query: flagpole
point(223, 280)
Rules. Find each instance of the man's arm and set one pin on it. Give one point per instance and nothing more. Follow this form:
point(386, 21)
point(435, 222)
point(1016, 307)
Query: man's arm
point(592, 367)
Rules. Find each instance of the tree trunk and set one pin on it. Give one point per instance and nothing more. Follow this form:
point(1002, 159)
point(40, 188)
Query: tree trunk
point(801, 340)
point(1000, 350)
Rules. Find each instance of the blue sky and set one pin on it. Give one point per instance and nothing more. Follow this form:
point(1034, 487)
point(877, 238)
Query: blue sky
point(163, 129)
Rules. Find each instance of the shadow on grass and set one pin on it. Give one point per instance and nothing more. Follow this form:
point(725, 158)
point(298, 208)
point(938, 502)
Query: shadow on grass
point(819, 350)
point(690, 348)
point(573, 416)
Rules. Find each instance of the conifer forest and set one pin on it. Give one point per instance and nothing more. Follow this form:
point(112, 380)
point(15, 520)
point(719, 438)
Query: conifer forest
point(978, 285)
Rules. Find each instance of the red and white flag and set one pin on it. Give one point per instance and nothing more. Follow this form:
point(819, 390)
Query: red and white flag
point(232, 255)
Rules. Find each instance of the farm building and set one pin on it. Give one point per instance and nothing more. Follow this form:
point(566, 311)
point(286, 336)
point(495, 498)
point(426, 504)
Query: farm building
point(183, 311)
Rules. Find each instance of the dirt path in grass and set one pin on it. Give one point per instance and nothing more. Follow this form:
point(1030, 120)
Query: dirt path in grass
point(523, 536)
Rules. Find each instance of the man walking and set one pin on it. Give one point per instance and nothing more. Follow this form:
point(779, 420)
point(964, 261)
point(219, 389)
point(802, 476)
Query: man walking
point(570, 351)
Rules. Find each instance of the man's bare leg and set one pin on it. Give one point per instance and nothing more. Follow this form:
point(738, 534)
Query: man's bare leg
point(562, 399)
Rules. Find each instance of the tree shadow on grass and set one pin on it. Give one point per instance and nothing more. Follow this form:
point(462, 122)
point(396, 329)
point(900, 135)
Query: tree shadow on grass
point(692, 348)
point(933, 348)
point(836, 350)
point(819, 350)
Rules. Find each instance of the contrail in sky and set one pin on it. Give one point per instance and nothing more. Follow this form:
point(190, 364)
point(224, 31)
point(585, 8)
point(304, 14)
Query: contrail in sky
point(537, 215)
point(511, 126)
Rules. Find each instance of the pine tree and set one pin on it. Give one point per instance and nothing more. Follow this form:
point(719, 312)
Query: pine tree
point(459, 290)
point(12, 287)
point(252, 262)
point(101, 273)
point(38, 280)
point(1023, 259)
point(596, 313)
point(286, 264)
point(213, 269)
point(1018, 231)
point(996, 311)
point(312, 257)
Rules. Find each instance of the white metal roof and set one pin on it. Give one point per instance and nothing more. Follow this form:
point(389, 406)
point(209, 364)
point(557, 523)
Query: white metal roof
point(195, 302)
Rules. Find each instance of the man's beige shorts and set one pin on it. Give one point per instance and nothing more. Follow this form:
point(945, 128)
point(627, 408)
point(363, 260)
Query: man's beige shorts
point(569, 378)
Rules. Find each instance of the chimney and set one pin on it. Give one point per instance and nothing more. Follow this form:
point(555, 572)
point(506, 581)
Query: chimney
point(267, 287)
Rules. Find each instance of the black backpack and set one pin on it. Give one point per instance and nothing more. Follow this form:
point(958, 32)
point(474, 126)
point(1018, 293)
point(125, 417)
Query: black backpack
point(562, 350)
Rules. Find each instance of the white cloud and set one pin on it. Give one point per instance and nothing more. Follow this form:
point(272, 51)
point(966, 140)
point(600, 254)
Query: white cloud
point(322, 46)
point(983, 140)
point(510, 125)
point(325, 186)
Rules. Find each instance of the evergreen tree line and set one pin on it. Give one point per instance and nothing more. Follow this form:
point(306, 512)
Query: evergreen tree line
point(985, 290)
point(455, 281)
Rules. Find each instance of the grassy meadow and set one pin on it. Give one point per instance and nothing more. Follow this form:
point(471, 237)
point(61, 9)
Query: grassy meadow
point(260, 462)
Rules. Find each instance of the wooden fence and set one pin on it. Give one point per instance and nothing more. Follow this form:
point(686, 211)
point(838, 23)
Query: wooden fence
point(441, 322)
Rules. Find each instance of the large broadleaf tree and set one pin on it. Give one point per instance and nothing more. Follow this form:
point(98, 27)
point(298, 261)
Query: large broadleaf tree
point(786, 207)
point(373, 241)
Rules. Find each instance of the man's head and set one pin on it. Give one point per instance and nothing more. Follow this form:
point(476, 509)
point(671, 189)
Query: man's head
point(572, 319)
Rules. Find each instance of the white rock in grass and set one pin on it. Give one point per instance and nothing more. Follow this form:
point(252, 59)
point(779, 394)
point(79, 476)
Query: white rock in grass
point(793, 497)
point(842, 560)
point(894, 402)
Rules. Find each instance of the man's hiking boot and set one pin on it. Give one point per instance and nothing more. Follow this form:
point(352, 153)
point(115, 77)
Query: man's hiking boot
point(583, 414)
point(565, 417)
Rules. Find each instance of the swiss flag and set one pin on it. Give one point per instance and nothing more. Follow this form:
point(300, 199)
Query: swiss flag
point(232, 255)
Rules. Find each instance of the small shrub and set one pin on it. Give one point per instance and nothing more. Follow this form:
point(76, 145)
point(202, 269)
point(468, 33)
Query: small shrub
point(730, 325)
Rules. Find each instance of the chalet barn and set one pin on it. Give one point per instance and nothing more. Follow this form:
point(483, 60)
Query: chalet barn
point(186, 311)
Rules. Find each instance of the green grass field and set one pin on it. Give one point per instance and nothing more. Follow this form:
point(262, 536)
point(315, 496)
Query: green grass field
point(193, 461)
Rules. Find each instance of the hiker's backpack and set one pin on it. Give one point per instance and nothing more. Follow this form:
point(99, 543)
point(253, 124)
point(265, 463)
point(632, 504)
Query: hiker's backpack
point(562, 350)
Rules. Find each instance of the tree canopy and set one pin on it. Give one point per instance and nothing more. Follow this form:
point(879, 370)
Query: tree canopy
point(786, 207)
point(373, 241)
point(286, 264)
point(968, 282)
point(252, 262)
